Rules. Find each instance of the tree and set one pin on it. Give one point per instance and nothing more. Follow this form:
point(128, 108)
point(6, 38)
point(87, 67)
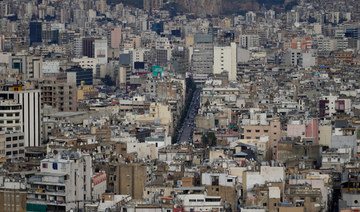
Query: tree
point(207, 103)
point(209, 139)
point(108, 81)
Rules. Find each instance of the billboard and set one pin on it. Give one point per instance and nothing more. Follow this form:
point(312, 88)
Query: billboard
point(158, 71)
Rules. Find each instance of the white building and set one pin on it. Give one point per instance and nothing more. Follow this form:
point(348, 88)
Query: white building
point(308, 60)
point(63, 184)
point(250, 17)
point(11, 128)
point(138, 55)
point(87, 63)
point(30, 100)
point(50, 67)
point(164, 44)
point(225, 60)
point(201, 202)
point(34, 67)
point(221, 179)
point(78, 47)
point(260, 177)
point(270, 15)
point(101, 51)
point(292, 17)
point(243, 55)
point(335, 105)
point(249, 41)
point(113, 202)
point(326, 44)
point(98, 185)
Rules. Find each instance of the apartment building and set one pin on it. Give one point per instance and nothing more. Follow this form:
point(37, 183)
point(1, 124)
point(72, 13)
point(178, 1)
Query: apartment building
point(63, 183)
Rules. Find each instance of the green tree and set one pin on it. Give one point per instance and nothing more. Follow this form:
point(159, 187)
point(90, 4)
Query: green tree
point(209, 139)
point(108, 81)
point(207, 103)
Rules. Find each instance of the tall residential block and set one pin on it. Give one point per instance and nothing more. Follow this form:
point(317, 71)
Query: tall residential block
point(30, 100)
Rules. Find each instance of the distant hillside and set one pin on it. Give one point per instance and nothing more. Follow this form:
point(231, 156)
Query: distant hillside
point(203, 8)
point(133, 3)
point(237, 6)
point(225, 7)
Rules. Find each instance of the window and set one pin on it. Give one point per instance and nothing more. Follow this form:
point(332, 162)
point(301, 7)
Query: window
point(214, 180)
point(257, 131)
point(249, 131)
point(229, 180)
point(265, 131)
point(55, 166)
point(45, 165)
point(264, 204)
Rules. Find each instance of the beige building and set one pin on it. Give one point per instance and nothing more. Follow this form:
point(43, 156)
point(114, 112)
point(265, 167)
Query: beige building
point(128, 179)
point(160, 113)
point(189, 40)
point(325, 132)
point(304, 196)
point(86, 91)
point(115, 38)
point(60, 95)
point(12, 197)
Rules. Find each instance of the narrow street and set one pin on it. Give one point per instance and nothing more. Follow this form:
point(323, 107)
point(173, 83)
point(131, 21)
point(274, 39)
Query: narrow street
point(186, 130)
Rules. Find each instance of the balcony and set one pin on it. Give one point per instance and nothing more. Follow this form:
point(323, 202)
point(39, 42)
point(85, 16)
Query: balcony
point(39, 180)
point(52, 192)
point(45, 202)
